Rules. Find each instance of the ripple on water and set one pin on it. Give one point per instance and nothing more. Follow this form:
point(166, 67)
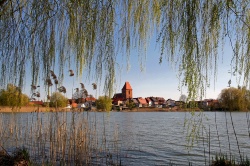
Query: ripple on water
point(159, 138)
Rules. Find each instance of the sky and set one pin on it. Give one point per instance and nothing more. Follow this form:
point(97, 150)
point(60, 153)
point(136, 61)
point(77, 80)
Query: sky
point(158, 80)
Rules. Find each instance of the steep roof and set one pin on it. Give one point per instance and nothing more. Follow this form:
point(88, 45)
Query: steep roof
point(135, 101)
point(142, 100)
point(90, 99)
point(37, 102)
point(117, 95)
point(148, 99)
point(127, 86)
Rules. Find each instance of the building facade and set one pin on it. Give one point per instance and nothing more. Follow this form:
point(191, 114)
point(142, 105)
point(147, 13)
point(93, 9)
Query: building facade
point(127, 93)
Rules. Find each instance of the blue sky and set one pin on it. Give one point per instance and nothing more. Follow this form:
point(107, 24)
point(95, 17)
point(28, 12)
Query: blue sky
point(159, 80)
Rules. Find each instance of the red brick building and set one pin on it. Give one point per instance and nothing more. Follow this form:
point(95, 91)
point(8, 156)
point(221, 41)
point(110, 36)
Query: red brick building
point(127, 93)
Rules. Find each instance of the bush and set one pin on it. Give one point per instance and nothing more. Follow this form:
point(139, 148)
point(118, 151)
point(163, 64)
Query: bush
point(13, 97)
point(19, 157)
point(223, 160)
point(104, 103)
point(58, 100)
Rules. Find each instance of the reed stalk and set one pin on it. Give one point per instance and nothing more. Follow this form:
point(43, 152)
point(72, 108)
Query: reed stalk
point(236, 137)
point(217, 132)
point(248, 123)
point(61, 138)
point(228, 137)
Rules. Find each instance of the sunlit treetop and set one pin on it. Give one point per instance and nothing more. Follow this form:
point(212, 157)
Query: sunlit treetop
point(90, 34)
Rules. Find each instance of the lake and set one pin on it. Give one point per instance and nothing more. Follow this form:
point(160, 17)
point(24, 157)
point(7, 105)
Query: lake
point(131, 138)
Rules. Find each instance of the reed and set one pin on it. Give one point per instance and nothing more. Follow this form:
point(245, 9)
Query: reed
point(204, 138)
point(223, 160)
point(76, 138)
point(65, 138)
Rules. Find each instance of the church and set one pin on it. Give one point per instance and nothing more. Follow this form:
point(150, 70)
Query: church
point(127, 93)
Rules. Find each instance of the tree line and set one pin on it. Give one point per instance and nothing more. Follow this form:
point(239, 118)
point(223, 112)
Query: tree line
point(230, 99)
point(235, 99)
point(12, 96)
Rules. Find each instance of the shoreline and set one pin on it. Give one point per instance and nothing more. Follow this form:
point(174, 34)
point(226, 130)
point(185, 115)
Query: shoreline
point(28, 109)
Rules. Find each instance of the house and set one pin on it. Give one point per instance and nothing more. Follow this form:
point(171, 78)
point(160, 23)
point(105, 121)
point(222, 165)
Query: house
point(196, 104)
point(142, 102)
point(116, 98)
point(90, 99)
point(35, 102)
point(211, 104)
point(127, 93)
point(155, 102)
point(161, 100)
point(170, 103)
point(180, 104)
point(136, 102)
point(87, 101)
point(149, 101)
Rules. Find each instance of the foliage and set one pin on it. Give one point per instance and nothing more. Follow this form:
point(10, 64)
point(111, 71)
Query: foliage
point(58, 100)
point(13, 97)
point(194, 126)
point(183, 98)
point(223, 160)
point(130, 104)
point(90, 34)
point(235, 99)
point(74, 135)
point(104, 103)
point(19, 157)
point(183, 105)
point(192, 104)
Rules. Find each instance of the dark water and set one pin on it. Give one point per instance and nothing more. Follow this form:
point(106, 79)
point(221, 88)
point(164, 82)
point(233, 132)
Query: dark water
point(162, 138)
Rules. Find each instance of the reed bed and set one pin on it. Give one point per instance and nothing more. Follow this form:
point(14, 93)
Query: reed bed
point(75, 138)
point(61, 138)
point(226, 149)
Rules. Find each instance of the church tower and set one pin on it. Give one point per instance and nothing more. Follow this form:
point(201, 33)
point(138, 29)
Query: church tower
point(127, 91)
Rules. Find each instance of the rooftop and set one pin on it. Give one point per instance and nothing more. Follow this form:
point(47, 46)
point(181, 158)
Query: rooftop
point(126, 86)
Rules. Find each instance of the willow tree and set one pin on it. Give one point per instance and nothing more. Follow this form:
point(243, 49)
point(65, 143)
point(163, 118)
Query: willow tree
point(235, 99)
point(89, 34)
point(13, 97)
point(58, 100)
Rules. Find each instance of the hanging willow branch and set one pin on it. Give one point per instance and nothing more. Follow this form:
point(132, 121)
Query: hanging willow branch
point(90, 35)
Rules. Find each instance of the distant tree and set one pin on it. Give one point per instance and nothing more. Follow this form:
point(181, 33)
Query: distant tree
point(58, 100)
point(235, 99)
point(13, 97)
point(104, 103)
point(192, 104)
point(130, 104)
point(183, 98)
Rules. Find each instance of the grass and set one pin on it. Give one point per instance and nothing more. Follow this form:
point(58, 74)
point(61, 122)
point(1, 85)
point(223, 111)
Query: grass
point(20, 157)
point(222, 160)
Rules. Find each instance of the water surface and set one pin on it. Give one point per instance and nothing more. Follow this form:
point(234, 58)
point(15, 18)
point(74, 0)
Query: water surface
point(155, 138)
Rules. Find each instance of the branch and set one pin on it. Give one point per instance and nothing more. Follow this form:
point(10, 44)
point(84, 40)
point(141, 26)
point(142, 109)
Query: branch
point(239, 16)
point(2, 3)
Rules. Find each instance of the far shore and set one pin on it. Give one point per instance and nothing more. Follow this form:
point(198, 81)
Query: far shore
point(51, 109)
point(31, 109)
